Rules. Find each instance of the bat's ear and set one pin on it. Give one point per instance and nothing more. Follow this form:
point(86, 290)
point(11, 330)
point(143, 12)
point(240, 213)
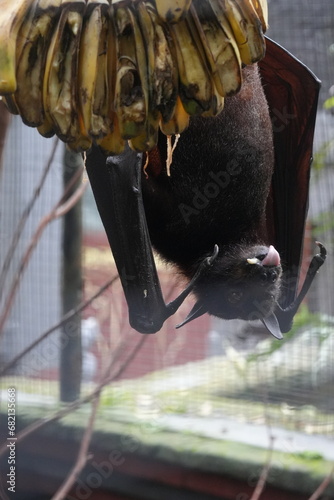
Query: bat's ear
point(272, 325)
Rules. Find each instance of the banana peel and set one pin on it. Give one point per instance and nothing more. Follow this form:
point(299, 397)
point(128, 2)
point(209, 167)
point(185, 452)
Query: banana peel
point(111, 72)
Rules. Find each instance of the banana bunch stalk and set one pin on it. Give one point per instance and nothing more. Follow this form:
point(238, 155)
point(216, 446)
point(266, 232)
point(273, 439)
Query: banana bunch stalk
point(112, 71)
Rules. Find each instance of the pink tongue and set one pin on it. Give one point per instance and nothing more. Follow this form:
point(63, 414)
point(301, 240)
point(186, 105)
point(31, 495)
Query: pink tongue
point(272, 258)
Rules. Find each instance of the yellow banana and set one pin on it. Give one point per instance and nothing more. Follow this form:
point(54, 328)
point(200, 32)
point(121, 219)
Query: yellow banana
point(10, 103)
point(113, 143)
point(219, 50)
point(130, 104)
point(89, 45)
point(92, 71)
point(252, 44)
point(12, 15)
point(145, 30)
point(35, 35)
point(108, 71)
point(80, 144)
point(179, 121)
point(261, 7)
point(61, 68)
point(47, 129)
point(195, 85)
point(237, 22)
point(162, 68)
point(101, 117)
point(172, 10)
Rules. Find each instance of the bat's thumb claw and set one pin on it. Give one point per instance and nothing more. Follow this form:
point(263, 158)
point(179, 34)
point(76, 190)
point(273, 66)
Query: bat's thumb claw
point(323, 251)
point(213, 256)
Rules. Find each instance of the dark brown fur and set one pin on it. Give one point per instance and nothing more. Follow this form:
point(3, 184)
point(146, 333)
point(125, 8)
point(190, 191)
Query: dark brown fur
point(216, 194)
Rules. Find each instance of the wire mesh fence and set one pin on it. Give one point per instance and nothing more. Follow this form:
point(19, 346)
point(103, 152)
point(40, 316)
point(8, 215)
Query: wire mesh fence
point(210, 369)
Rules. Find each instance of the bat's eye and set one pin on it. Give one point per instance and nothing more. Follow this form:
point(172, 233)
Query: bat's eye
point(235, 296)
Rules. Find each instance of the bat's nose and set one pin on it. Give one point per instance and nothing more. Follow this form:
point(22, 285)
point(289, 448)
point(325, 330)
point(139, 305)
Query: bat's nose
point(269, 276)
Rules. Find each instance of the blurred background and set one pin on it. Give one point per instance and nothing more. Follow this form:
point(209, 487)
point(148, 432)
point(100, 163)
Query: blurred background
point(210, 370)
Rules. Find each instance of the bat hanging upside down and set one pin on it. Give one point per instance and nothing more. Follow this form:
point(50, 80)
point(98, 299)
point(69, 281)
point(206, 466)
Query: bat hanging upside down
point(230, 213)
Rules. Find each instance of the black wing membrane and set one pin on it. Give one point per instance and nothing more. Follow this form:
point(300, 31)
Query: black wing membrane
point(292, 92)
point(116, 184)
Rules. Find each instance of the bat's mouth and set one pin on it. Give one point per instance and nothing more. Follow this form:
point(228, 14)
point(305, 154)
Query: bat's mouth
point(266, 266)
point(269, 259)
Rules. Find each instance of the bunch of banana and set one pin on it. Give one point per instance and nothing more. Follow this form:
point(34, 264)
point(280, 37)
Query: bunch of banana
point(111, 71)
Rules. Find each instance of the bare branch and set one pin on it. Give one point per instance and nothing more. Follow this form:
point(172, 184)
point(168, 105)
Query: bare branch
point(323, 486)
point(60, 323)
point(60, 209)
point(107, 377)
point(76, 404)
point(264, 473)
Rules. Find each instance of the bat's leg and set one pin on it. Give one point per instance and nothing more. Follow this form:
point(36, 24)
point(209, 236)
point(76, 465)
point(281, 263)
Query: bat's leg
point(285, 316)
point(116, 184)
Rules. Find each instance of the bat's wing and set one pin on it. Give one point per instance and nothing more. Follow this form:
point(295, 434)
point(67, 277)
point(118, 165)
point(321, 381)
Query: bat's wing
point(116, 184)
point(292, 92)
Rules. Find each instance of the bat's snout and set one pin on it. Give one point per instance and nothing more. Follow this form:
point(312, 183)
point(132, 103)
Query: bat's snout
point(271, 258)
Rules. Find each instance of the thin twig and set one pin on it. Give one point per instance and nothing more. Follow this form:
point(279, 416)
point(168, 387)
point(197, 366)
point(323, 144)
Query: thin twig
point(86, 399)
point(64, 319)
point(264, 473)
point(323, 486)
point(266, 467)
point(24, 217)
point(59, 210)
point(82, 454)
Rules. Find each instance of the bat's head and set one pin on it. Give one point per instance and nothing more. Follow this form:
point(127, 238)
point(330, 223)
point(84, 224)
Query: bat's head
point(242, 283)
